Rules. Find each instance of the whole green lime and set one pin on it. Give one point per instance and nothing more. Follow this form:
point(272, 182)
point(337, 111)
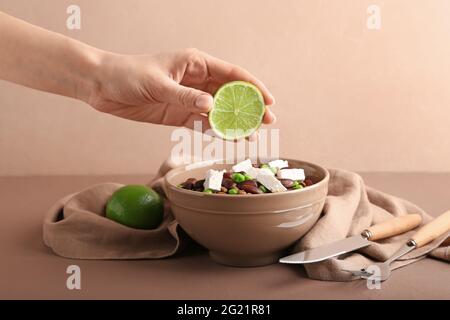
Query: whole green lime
point(136, 206)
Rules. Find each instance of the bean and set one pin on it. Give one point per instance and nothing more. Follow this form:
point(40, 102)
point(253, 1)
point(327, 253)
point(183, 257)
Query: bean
point(287, 183)
point(223, 189)
point(240, 185)
point(199, 184)
point(227, 183)
point(308, 182)
point(242, 192)
point(249, 187)
point(189, 183)
point(227, 174)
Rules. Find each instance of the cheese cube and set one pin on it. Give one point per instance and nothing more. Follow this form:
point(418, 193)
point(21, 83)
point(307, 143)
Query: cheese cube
point(243, 166)
point(266, 171)
point(279, 164)
point(213, 180)
point(293, 174)
point(270, 182)
point(254, 172)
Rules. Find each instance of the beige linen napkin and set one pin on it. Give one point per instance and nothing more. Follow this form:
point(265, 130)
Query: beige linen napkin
point(75, 227)
point(351, 207)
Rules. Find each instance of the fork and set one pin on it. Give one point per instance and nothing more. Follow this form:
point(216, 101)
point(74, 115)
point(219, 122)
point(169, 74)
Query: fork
point(423, 236)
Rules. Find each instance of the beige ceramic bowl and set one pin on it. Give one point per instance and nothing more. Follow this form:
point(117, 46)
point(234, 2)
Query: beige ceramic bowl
point(246, 230)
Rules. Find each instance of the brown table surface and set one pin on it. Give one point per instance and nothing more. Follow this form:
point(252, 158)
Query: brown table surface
point(29, 270)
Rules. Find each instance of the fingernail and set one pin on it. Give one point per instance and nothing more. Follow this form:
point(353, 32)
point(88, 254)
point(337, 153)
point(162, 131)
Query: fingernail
point(273, 100)
point(204, 102)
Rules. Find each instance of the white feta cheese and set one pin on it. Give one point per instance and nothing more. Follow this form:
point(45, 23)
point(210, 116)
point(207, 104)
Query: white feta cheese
point(213, 180)
point(279, 164)
point(243, 166)
point(266, 171)
point(293, 174)
point(254, 172)
point(270, 182)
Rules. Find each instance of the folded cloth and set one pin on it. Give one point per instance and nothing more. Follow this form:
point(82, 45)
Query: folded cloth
point(76, 227)
point(350, 208)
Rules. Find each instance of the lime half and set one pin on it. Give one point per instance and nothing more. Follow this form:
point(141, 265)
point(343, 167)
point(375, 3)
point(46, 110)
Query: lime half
point(238, 110)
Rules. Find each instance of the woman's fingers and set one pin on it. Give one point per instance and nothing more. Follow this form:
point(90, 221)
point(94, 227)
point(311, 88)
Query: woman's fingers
point(269, 116)
point(222, 71)
point(189, 99)
point(197, 121)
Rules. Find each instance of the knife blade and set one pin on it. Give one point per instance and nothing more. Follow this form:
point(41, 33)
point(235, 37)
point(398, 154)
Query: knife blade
point(327, 251)
point(386, 229)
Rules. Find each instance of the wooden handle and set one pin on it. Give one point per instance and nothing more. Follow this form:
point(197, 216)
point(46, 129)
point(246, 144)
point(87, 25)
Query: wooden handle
point(394, 226)
point(432, 230)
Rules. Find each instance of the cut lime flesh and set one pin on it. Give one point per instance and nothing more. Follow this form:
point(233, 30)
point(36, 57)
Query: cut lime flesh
point(238, 110)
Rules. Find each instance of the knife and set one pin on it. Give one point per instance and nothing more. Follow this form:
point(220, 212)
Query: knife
point(386, 229)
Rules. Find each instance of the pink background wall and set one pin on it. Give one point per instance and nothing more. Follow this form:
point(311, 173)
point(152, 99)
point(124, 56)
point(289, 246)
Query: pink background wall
point(346, 96)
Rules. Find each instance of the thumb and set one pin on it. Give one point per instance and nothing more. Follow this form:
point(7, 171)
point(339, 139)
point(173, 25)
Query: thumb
point(191, 99)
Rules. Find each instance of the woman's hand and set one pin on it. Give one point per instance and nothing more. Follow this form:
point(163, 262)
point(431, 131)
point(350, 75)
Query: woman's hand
point(172, 89)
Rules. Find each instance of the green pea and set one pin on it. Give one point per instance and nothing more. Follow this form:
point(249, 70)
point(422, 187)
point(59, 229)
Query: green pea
point(247, 177)
point(208, 191)
point(274, 170)
point(238, 177)
point(233, 191)
point(263, 189)
point(297, 185)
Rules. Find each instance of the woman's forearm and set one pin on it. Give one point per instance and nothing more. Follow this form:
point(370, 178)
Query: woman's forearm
point(44, 60)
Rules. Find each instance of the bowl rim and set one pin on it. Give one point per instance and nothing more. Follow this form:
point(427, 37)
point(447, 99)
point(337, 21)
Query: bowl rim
point(245, 196)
